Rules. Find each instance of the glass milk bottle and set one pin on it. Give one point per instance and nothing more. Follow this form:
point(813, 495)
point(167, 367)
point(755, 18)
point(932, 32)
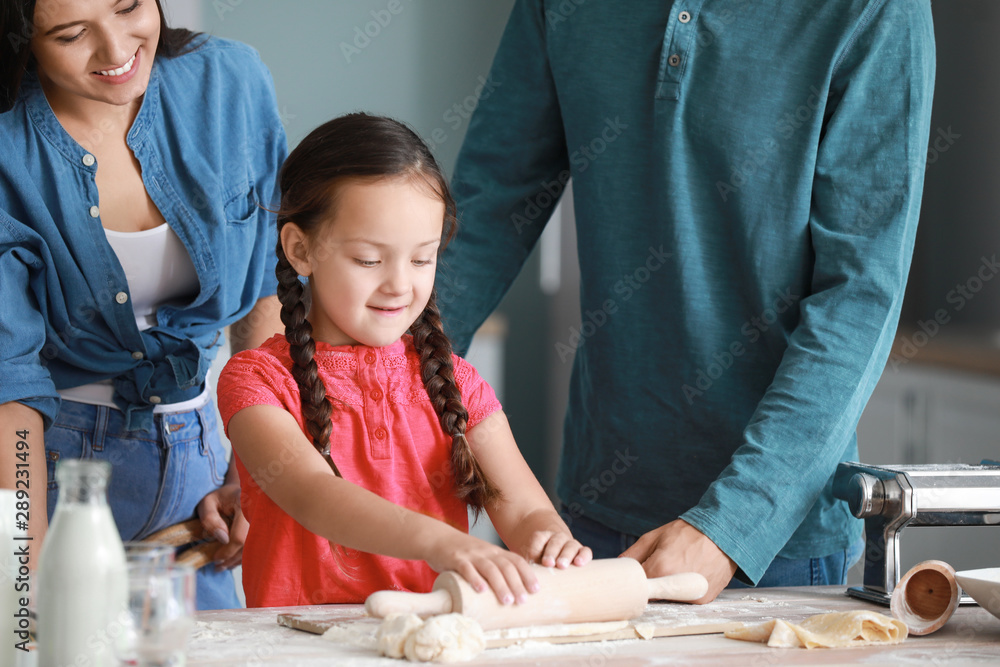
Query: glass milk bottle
point(82, 578)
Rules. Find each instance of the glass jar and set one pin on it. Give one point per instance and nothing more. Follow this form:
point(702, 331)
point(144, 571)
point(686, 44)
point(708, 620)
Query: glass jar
point(82, 578)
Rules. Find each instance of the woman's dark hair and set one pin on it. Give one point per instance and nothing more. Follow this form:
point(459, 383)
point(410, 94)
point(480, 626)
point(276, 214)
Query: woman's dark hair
point(361, 146)
point(17, 26)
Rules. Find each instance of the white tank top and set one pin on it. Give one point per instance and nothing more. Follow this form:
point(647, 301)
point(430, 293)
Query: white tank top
point(159, 272)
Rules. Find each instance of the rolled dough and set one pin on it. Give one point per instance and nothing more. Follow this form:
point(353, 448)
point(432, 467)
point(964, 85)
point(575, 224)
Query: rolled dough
point(847, 628)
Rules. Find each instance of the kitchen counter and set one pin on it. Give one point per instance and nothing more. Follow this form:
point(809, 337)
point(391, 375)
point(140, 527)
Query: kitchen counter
point(253, 637)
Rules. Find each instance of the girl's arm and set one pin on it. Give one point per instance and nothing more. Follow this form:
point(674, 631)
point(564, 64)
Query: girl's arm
point(525, 519)
point(262, 322)
point(267, 437)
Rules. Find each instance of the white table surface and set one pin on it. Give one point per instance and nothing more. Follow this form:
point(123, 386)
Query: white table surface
point(253, 637)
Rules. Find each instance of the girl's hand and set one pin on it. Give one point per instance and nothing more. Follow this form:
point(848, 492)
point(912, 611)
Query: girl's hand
point(556, 549)
point(485, 566)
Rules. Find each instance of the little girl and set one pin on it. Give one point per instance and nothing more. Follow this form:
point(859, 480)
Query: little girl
point(360, 446)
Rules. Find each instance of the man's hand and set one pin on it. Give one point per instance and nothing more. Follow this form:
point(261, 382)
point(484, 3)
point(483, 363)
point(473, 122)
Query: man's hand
point(213, 510)
point(680, 547)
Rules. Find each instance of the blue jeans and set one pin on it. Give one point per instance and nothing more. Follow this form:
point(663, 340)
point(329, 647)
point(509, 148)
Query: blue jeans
point(158, 477)
point(829, 570)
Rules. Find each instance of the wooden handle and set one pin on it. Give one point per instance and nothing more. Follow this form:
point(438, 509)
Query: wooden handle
point(178, 534)
point(383, 603)
point(684, 587)
point(926, 597)
point(199, 555)
point(188, 532)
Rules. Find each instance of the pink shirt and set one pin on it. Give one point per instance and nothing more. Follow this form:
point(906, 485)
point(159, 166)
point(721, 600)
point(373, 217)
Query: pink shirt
point(386, 437)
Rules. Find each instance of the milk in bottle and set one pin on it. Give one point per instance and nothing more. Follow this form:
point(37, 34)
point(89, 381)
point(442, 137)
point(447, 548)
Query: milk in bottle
point(82, 576)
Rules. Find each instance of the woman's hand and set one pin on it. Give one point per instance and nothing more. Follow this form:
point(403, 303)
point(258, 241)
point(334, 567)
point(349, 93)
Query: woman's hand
point(485, 566)
point(213, 510)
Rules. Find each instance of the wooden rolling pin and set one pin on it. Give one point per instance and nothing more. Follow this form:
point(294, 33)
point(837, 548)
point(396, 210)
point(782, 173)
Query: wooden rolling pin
point(202, 551)
point(611, 589)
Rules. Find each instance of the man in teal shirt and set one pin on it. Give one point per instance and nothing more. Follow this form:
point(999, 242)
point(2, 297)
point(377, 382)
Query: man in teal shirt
point(747, 179)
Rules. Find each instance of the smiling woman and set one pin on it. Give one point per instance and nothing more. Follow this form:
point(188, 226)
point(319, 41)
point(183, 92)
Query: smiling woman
point(134, 227)
point(87, 52)
point(23, 23)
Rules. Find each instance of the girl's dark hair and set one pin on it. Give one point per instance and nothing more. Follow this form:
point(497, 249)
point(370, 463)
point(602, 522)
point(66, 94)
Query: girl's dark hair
point(361, 146)
point(17, 26)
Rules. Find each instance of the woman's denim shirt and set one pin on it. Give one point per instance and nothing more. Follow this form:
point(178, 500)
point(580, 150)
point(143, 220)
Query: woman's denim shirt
point(209, 141)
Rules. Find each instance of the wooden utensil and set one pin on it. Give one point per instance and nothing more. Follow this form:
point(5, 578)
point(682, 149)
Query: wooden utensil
point(926, 597)
point(568, 634)
point(611, 589)
point(188, 532)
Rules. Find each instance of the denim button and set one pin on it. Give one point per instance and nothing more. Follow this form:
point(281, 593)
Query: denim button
point(674, 60)
point(137, 355)
point(155, 400)
point(94, 212)
point(89, 160)
point(121, 297)
point(684, 17)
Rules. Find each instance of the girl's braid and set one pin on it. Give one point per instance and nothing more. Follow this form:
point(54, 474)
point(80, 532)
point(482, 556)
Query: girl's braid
point(438, 374)
point(316, 409)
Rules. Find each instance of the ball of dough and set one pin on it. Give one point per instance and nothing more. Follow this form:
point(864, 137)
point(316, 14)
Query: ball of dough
point(445, 638)
point(393, 631)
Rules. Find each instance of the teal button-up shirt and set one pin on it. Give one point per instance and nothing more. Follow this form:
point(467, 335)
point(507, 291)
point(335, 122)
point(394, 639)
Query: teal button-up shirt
point(746, 179)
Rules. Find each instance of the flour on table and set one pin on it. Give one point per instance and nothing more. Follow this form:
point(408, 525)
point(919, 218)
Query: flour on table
point(766, 601)
point(355, 634)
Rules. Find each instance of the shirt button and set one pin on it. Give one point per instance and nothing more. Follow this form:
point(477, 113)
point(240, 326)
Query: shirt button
point(121, 297)
point(89, 160)
point(380, 433)
point(94, 211)
point(137, 355)
point(370, 358)
point(376, 395)
point(155, 400)
point(684, 17)
point(674, 60)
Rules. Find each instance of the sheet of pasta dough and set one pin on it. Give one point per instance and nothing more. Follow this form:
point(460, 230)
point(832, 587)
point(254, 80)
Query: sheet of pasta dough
point(840, 629)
